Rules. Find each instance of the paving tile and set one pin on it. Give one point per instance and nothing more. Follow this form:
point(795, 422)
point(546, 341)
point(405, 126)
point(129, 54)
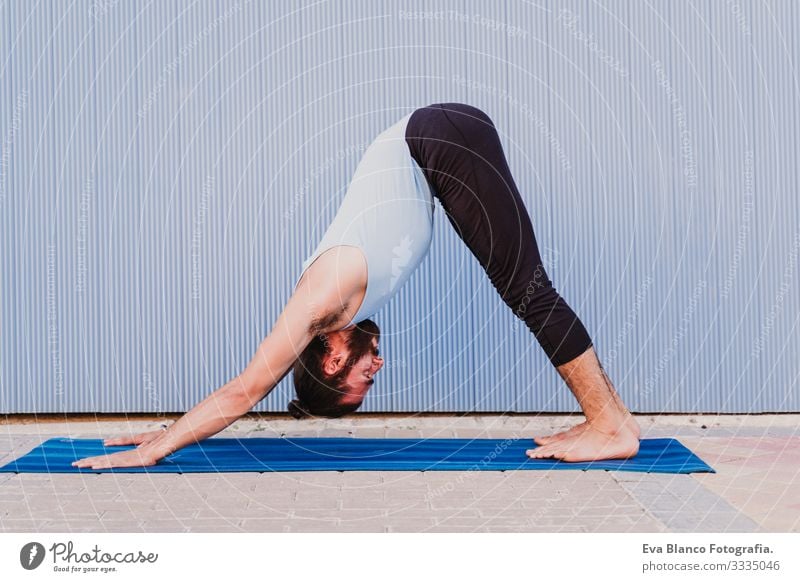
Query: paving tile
point(67, 527)
point(272, 499)
point(21, 524)
point(164, 525)
point(363, 526)
point(306, 479)
point(419, 525)
point(266, 525)
point(335, 433)
point(369, 433)
point(511, 529)
point(355, 515)
point(306, 527)
point(425, 513)
point(219, 498)
point(755, 488)
point(238, 513)
point(27, 528)
point(326, 515)
point(216, 526)
point(361, 479)
point(438, 433)
point(453, 503)
point(595, 511)
point(119, 526)
point(404, 487)
point(316, 500)
point(402, 503)
point(403, 433)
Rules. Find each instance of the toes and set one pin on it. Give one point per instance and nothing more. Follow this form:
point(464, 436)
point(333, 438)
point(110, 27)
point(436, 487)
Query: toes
point(538, 453)
point(558, 454)
point(547, 440)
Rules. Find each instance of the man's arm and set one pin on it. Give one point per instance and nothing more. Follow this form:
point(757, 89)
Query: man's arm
point(292, 332)
point(274, 358)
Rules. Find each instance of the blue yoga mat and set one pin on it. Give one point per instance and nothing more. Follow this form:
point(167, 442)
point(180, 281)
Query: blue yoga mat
point(219, 455)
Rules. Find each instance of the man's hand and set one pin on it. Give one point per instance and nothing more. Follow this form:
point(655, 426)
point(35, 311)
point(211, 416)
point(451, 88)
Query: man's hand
point(273, 360)
point(138, 457)
point(137, 439)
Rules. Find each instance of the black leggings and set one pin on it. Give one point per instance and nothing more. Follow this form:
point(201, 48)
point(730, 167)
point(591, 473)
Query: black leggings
point(459, 151)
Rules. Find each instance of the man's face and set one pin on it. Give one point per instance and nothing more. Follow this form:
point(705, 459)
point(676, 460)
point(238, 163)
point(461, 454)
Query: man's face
point(354, 349)
point(360, 379)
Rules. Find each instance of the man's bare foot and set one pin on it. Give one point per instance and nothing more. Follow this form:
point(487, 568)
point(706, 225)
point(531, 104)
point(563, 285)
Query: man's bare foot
point(630, 425)
point(573, 431)
point(590, 444)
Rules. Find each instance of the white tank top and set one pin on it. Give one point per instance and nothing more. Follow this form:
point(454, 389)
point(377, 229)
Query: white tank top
point(387, 212)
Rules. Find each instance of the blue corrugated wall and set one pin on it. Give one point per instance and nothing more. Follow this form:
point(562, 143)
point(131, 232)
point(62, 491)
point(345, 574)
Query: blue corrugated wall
point(166, 166)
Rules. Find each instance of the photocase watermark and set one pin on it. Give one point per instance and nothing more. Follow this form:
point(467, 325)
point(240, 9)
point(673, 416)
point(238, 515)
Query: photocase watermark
point(53, 339)
point(396, 363)
point(684, 135)
point(569, 20)
point(169, 69)
point(99, 8)
point(744, 228)
point(325, 166)
point(450, 486)
point(630, 319)
point(401, 256)
point(65, 558)
point(526, 110)
point(152, 394)
point(31, 555)
point(683, 327)
point(537, 282)
point(547, 504)
point(739, 16)
point(777, 305)
point(87, 194)
point(197, 234)
point(464, 18)
point(20, 105)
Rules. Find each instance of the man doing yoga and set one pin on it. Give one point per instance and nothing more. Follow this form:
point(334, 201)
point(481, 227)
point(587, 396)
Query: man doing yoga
point(382, 231)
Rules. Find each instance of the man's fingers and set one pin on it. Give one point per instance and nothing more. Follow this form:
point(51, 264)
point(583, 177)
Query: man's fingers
point(118, 441)
point(122, 459)
point(129, 440)
point(137, 439)
point(84, 463)
point(93, 465)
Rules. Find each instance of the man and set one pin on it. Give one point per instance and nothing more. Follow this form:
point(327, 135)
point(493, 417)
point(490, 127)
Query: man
point(382, 231)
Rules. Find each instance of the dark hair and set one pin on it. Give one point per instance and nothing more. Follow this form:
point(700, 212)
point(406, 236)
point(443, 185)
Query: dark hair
point(319, 394)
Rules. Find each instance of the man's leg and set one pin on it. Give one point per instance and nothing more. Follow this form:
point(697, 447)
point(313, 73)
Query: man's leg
point(610, 432)
point(458, 148)
point(580, 374)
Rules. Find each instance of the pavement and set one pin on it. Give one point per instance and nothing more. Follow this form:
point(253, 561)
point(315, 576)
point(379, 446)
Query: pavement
point(756, 487)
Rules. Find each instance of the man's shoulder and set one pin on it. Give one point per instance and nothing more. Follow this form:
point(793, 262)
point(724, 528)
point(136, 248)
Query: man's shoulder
point(341, 268)
point(332, 285)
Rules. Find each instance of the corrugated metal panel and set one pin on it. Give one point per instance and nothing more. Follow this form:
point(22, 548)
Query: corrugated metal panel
point(774, 350)
point(738, 264)
point(166, 167)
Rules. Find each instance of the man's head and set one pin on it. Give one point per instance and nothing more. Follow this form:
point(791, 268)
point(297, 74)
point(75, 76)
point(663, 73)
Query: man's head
point(335, 371)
